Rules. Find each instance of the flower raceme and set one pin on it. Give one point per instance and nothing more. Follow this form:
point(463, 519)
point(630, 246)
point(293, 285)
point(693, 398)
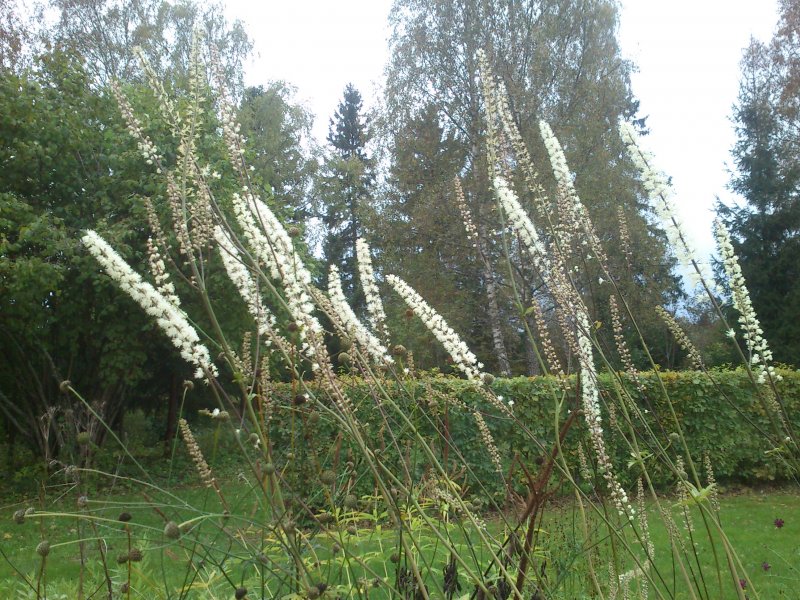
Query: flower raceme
point(365, 339)
point(377, 317)
point(462, 357)
point(172, 320)
point(760, 354)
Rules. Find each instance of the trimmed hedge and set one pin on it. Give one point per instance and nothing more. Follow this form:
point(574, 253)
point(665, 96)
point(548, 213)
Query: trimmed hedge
point(720, 418)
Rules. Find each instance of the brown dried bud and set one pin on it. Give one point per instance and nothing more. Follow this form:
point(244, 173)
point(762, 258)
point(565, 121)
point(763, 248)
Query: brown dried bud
point(294, 231)
point(351, 529)
point(409, 313)
point(124, 517)
point(300, 399)
point(292, 327)
point(19, 516)
point(240, 593)
point(399, 350)
point(43, 549)
point(135, 555)
point(328, 477)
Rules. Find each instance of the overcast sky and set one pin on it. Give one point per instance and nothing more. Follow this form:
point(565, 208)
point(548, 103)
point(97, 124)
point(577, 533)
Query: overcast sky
point(687, 52)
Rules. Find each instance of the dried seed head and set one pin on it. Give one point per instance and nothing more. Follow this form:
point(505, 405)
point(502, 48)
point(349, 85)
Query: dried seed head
point(19, 516)
point(124, 517)
point(172, 531)
point(30, 511)
point(83, 438)
point(83, 501)
point(135, 555)
point(350, 501)
point(313, 417)
point(188, 385)
point(123, 589)
point(488, 378)
point(328, 477)
point(64, 386)
point(395, 558)
point(300, 399)
point(294, 231)
point(292, 327)
point(312, 592)
point(240, 593)
point(345, 358)
point(399, 350)
point(43, 549)
point(351, 529)
point(409, 313)
point(122, 559)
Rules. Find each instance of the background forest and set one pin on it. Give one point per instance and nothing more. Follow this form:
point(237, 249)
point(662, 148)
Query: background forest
point(403, 177)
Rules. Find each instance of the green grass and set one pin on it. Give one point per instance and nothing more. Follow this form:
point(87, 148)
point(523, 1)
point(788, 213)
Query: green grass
point(748, 520)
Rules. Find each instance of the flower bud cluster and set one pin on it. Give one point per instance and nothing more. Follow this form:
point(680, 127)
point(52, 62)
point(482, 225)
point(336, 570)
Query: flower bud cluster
point(196, 454)
point(146, 146)
point(466, 215)
point(172, 320)
point(377, 317)
point(354, 327)
point(680, 336)
point(462, 357)
point(159, 272)
point(760, 354)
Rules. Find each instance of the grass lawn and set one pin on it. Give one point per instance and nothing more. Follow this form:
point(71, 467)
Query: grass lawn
point(212, 564)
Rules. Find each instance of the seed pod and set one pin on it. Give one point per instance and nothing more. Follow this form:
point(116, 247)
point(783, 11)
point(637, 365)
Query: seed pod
point(350, 501)
point(399, 350)
point(19, 516)
point(172, 531)
point(135, 555)
point(124, 517)
point(351, 529)
point(240, 593)
point(64, 386)
point(328, 477)
point(43, 549)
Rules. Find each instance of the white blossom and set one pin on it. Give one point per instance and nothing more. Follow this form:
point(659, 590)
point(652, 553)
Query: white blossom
point(462, 357)
point(172, 320)
point(365, 339)
point(377, 317)
point(760, 354)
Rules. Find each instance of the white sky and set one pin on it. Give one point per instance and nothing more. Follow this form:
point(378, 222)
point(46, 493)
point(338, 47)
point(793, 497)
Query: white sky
point(687, 52)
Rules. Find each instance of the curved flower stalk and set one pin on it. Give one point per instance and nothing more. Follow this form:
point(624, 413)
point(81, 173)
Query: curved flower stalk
point(572, 307)
point(354, 327)
point(462, 357)
point(572, 210)
point(171, 319)
point(760, 354)
point(659, 191)
point(266, 324)
point(377, 317)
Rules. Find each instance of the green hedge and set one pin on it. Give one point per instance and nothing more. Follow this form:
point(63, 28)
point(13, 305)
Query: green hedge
point(719, 418)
